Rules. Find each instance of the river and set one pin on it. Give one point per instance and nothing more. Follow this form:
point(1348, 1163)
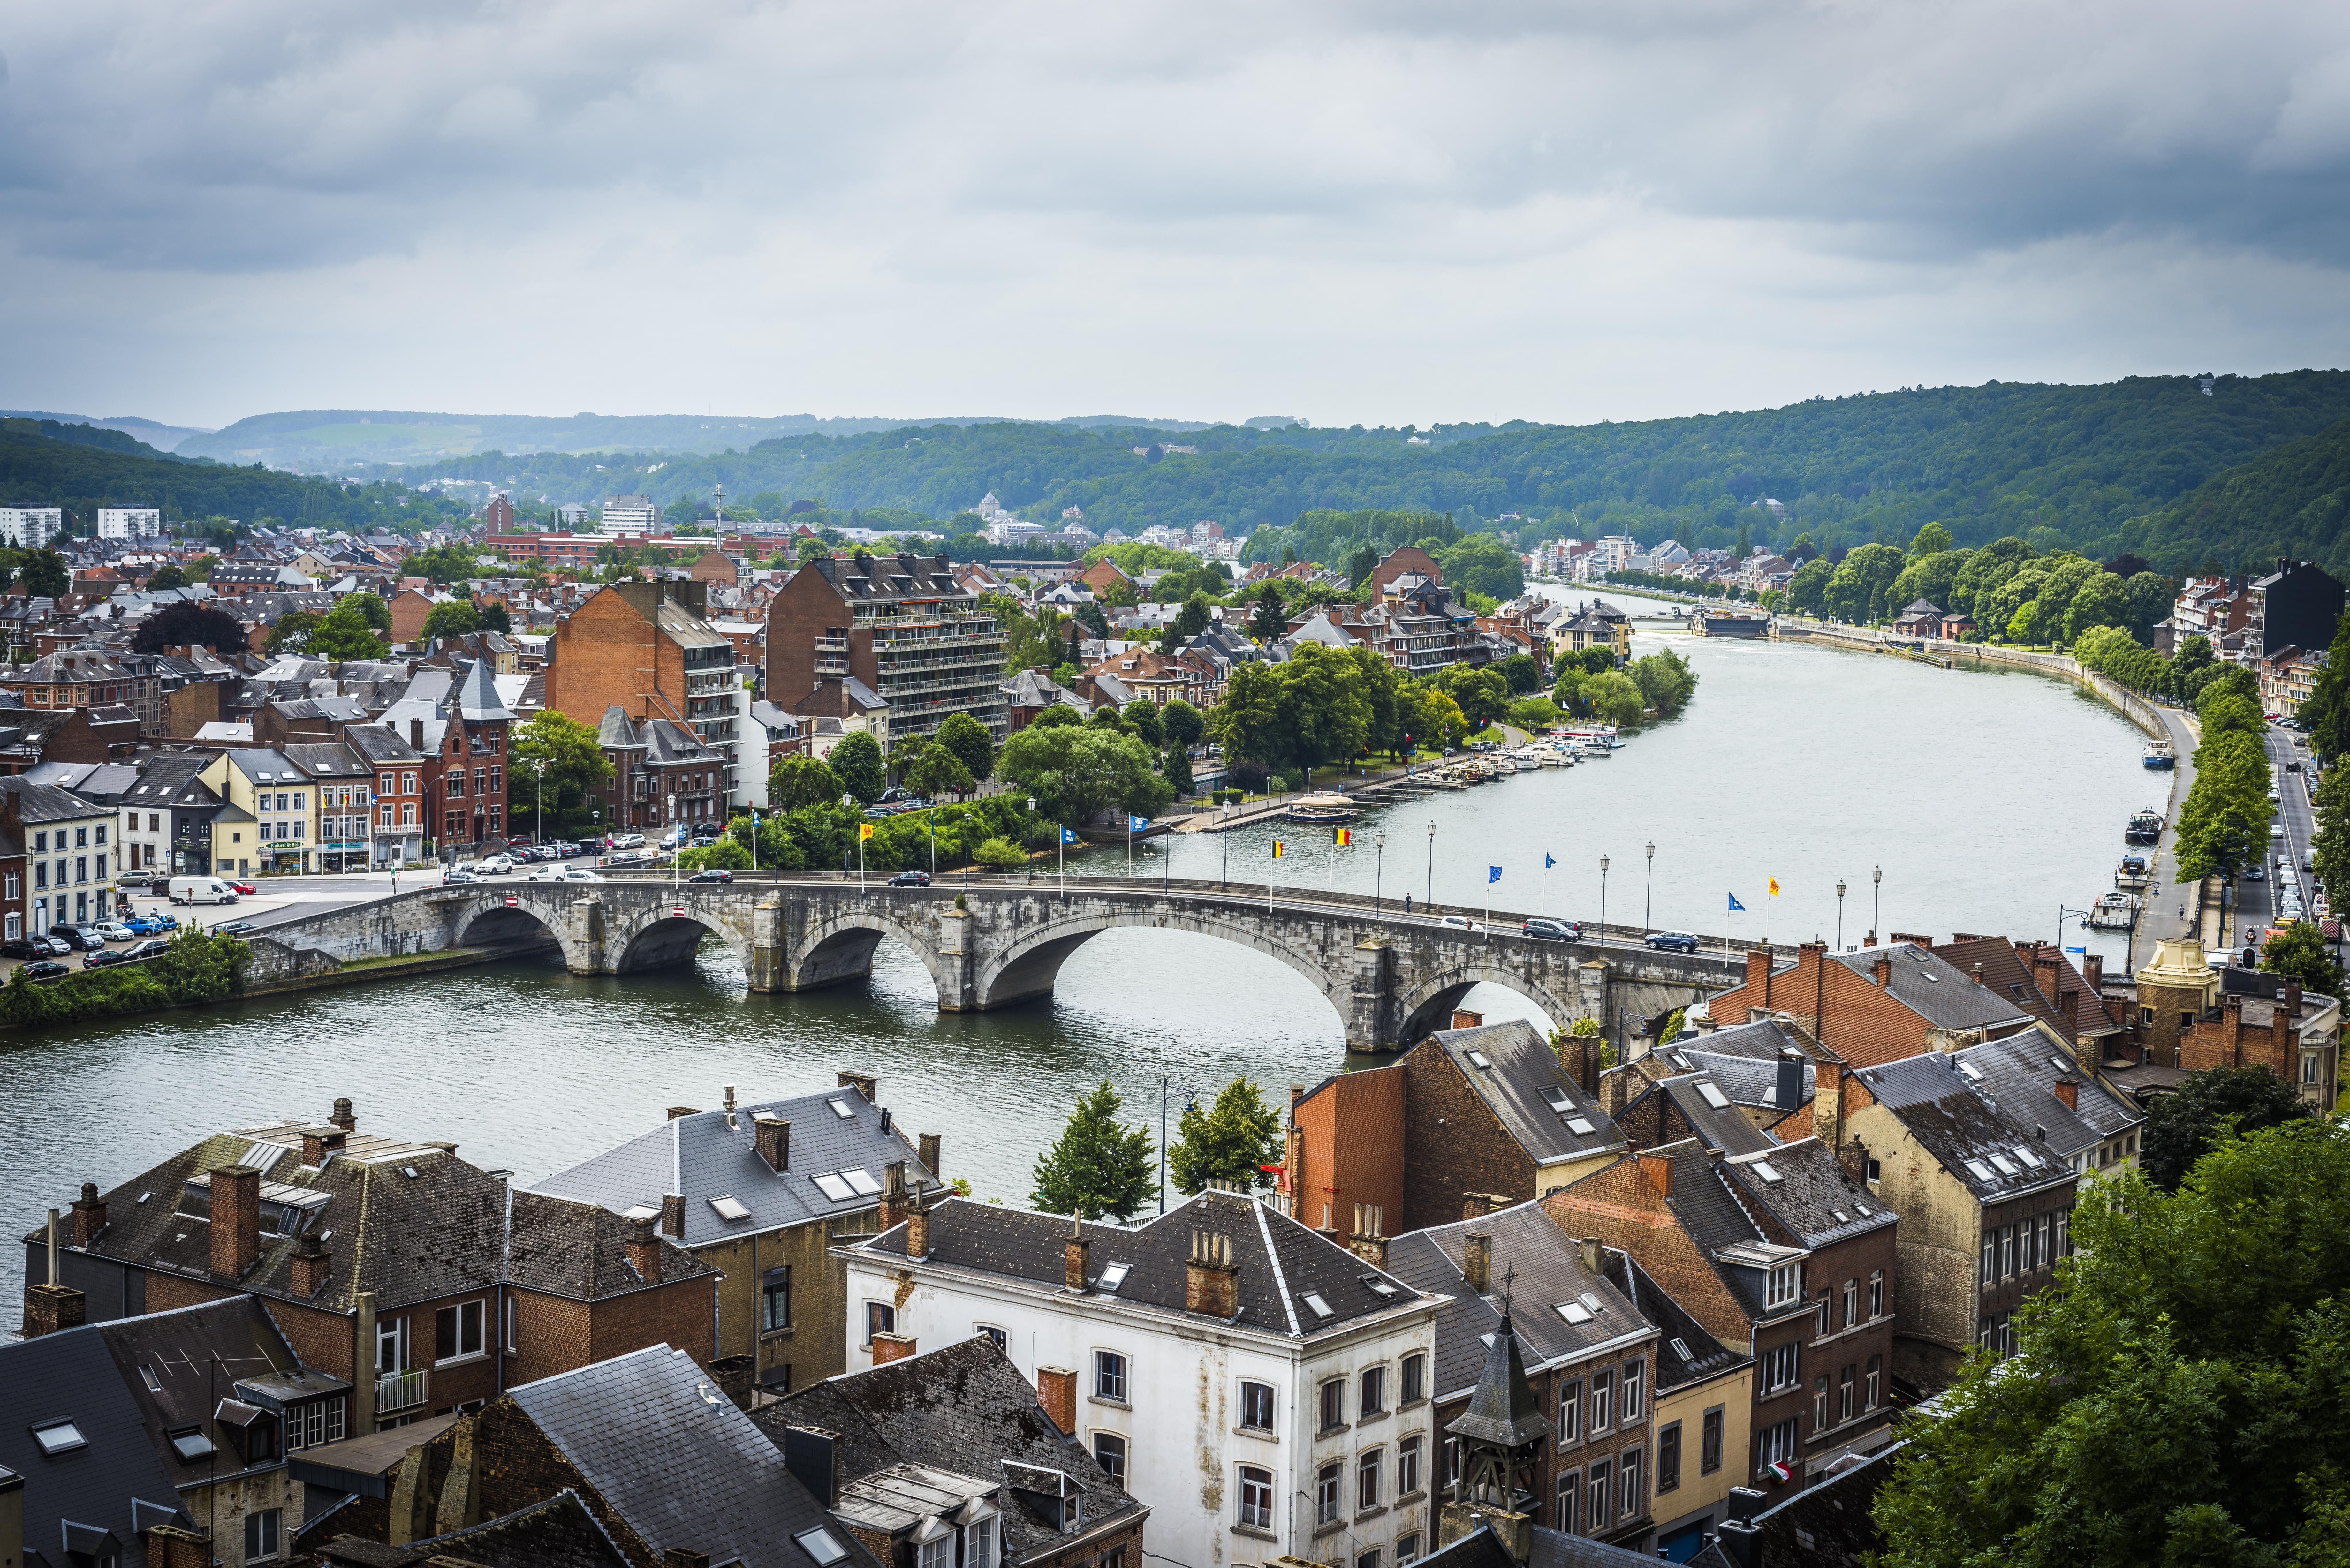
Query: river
point(1989, 798)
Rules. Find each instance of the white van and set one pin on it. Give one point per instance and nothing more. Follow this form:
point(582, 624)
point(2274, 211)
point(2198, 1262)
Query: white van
point(201, 891)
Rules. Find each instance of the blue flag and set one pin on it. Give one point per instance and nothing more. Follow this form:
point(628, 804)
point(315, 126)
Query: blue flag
point(1735, 905)
point(1492, 874)
point(1137, 823)
point(1547, 861)
point(1067, 837)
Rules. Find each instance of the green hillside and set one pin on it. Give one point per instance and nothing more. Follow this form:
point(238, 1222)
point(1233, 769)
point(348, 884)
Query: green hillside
point(2292, 500)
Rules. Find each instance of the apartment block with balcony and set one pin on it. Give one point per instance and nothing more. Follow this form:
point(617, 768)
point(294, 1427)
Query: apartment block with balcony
point(647, 650)
point(902, 627)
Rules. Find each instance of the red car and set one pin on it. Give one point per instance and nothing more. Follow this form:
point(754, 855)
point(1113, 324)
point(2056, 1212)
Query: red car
point(242, 889)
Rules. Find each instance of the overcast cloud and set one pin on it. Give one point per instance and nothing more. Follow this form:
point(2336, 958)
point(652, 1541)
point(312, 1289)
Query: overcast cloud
point(1345, 210)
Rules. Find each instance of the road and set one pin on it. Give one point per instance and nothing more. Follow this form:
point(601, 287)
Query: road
point(2161, 920)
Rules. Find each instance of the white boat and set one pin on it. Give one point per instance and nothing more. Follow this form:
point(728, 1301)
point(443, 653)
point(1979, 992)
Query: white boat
point(2113, 912)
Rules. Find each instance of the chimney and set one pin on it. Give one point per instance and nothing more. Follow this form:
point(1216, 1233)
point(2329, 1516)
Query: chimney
point(89, 1215)
point(1210, 1282)
point(644, 1250)
point(918, 1227)
point(311, 1264)
point(927, 1147)
point(1074, 1273)
point(1787, 1090)
point(318, 1143)
point(1883, 972)
point(677, 1111)
point(2289, 998)
point(2093, 970)
point(684, 1557)
point(773, 1136)
point(2045, 965)
point(1477, 1262)
point(888, 1347)
point(728, 1104)
point(1977, 971)
point(673, 1215)
point(1590, 1249)
point(1699, 1020)
point(865, 1084)
point(893, 1194)
point(2068, 1089)
point(1758, 977)
point(416, 734)
point(1741, 1541)
point(1659, 1172)
point(343, 1118)
point(235, 1221)
point(811, 1454)
point(1464, 1019)
point(1369, 1242)
point(50, 1308)
point(1057, 1393)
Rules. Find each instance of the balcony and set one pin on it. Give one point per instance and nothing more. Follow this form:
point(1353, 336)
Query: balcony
point(396, 1391)
point(825, 645)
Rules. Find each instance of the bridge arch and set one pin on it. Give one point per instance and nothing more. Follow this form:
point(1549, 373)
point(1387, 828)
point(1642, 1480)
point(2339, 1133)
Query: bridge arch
point(662, 931)
point(840, 948)
point(1426, 1005)
point(1027, 966)
point(490, 921)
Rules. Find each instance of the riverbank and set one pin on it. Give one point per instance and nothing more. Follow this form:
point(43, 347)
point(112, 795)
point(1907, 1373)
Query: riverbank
point(1980, 656)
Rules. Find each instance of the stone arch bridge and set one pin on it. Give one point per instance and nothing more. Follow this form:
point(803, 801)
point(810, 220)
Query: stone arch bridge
point(1391, 978)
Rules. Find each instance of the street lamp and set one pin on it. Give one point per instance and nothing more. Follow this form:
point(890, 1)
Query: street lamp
point(1379, 868)
point(1877, 904)
point(847, 801)
point(1649, 902)
point(1224, 837)
point(1839, 914)
point(538, 791)
point(1603, 900)
point(1431, 899)
point(1190, 1104)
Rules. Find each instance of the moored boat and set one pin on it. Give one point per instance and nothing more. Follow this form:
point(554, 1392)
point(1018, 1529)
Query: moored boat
point(2113, 912)
point(2145, 827)
point(2159, 755)
point(2132, 875)
point(1323, 810)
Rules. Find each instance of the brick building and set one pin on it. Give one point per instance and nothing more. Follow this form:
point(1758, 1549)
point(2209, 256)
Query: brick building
point(647, 650)
point(761, 1193)
point(2040, 979)
point(1879, 1004)
point(1483, 1114)
point(397, 832)
point(427, 1282)
point(900, 624)
point(2267, 1021)
point(1781, 1256)
point(460, 730)
point(662, 777)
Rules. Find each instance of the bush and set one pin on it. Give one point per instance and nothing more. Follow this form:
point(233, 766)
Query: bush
point(1000, 855)
point(194, 968)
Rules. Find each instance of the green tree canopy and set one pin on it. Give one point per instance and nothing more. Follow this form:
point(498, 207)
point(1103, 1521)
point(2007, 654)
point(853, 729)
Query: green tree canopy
point(291, 632)
point(453, 618)
point(555, 761)
point(968, 739)
point(796, 781)
point(167, 576)
point(343, 634)
point(856, 761)
point(2208, 1108)
point(189, 625)
point(1073, 771)
point(372, 609)
point(1268, 620)
point(1181, 722)
point(1097, 1168)
point(1226, 1142)
point(1933, 539)
point(939, 772)
point(1147, 721)
point(45, 573)
point(2302, 951)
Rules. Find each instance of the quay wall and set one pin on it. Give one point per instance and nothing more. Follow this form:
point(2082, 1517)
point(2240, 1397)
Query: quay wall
point(1978, 655)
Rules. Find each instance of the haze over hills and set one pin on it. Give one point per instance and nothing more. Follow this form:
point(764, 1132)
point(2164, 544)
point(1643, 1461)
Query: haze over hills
point(162, 437)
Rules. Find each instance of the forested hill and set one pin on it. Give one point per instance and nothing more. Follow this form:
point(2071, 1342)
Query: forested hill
point(2292, 500)
point(2054, 464)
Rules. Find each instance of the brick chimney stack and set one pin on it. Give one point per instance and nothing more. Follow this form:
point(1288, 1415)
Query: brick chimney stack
point(311, 1264)
point(235, 1222)
point(888, 1347)
point(89, 1215)
point(1369, 1242)
point(343, 1118)
point(673, 1215)
point(1477, 1262)
point(644, 1250)
point(927, 1146)
point(1210, 1281)
point(2068, 1090)
point(865, 1084)
point(893, 1194)
point(1056, 1392)
point(1758, 977)
point(1883, 972)
point(918, 1227)
point(1073, 1272)
point(773, 1136)
point(318, 1143)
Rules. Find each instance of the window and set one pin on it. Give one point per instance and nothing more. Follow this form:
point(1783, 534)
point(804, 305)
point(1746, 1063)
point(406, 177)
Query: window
point(1784, 1287)
point(457, 1331)
point(392, 1344)
point(1844, 1397)
point(40, 874)
point(2048, 1240)
point(995, 1337)
point(1825, 1313)
point(1635, 1498)
point(1820, 1403)
point(1775, 1443)
point(1635, 1373)
point(1603, 1399)
point(81, 838)
point(1989, 1257)
point(81, 868)
point(1877, 1294)
point(979, 1543)
point(821, 1545)
point(307, 1426)
point(1407, 1549)
point(1415, 1383)
point(775, 1300)
point(1334, 1403)
point(1570, 1412)
point(261, 1535)
point(1851, 1302)
point(1373, 1400)
point(1870, 1388)
point(1451, 1462)
point(2006, 1252)
point(1367, 1471)
point(1256, 1498)
point(1669, 1459)
point(1598, 1499)
point(1367, 1559)
point(513, 1342)
point(1109, 1452)
point(880, 1317)
point(1256, 1406)
point(1326, 1495)
point(939, 1554)
point(59, 1438)
point(1779, 1367)
point(1408, 1467)
point(1570, 1487)
point(2064, 1235)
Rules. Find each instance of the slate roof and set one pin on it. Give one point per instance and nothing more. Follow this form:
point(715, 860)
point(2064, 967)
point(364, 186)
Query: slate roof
point(475, 698)
point(1942, 994)
point(677, 1461)
point(1546, 1266)
point(380, 744)
point(1557, 1549)
point(198, 1356)
point(1801, 1187)
point(1522, 1075)
point(410, 1221)
point(1503, 1409)
point(1746, 1080)
point(703, 1159)
point(329, 759)
point(966, 1408)
point(1280, 1262)
point(883, 579)
point(558, 1533)
point(39, 803)
point(115, 1481)
point(1723, 1127)
point(1686, 1351)
point(2010, 974)
point(168, 779)
point(1989, 1147)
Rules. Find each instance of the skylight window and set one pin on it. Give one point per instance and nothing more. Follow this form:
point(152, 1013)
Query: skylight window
point(2006, 1166)
point(841, 1110)
point(2028, 1157)
point(863, 1185)
point(730, 1209)
point(1573, 1312)
point(1864, 1209)
point(2061, 1065)
point(1582, 1126)
point(1112, 1277)
point(1968, 1069)
point(1767, 1171)
point(1314, 1299)
point(1590, 1299)
point(191, 1445)
point(59, 1438)
point(1557, 1097)
point(834, 1188)
point(821, 1545)
point(1379, 1284)
point(1981, 1171)
point(155, 1384)
point(1713, 1094)
point(1477, 1059)
point(1681, 1349)
point(1841, 1217)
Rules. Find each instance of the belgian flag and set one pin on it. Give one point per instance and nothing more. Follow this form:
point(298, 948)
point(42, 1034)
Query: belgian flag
point(1277, 849)
point(1345, 837)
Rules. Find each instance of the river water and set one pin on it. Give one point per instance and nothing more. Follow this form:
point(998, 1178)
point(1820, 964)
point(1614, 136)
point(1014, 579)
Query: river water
point(1990, 799)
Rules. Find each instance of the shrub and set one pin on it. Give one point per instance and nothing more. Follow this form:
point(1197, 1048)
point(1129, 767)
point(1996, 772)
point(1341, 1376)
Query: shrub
point(1000, 855)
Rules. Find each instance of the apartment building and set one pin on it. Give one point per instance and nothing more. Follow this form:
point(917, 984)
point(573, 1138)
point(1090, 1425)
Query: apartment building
point(129, 522)
point(903, 626)
point(647, 650)
point(29, 528)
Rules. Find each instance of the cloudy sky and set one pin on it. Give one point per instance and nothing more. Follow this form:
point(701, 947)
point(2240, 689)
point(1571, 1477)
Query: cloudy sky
point(1369, 211)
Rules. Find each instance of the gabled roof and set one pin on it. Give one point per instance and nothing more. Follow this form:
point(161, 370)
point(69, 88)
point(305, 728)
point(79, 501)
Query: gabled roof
point(704, 1159)
point(1284, 1268)
point(1522, 1082)
point(1719, 1126)
point(475, 698)
point(1686, 1351)
point(113, 1483)
point(1935, 990)
point(671, 1456)
point(1801, 1187)
point(1990, 1148)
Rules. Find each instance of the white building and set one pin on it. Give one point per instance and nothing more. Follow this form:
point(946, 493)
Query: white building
point(129, 522)
point(30, 527)
point(631, 515)
point(1265, 1391)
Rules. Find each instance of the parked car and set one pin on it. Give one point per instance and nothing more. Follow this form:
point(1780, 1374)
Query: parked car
point(242, 889)
point(165, 922)
point(153, 947)
point(1543, 929)
point(1461, 923)
point(2256, 874)
point(23, 948)
point(563, 874)
point(1673, 941)
point(709, 833)
point(116, 930)
point(625, 841)
point(56, 947)
point(460, 877)
point(140, 878)
point(46, 969)
point(202, 891)
point(103, 958)
point(711, 874)
point(141, 925)
point(494, 866)
point(910, 879)
point(76, 939)
point(236, 929)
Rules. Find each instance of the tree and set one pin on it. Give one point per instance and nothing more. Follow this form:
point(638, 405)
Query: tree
point(1176, 769)
point(167, 576)
point(1665, 681)
point(372, 609)
point(968, 739)
point(1227, 1142)
point(856, 761)
point(1098, 1167)
point(555, 758)
point(1484, 693)
point(1522, 672)
point(1143, 715)
point(453, 618)
point(1930, 540)
point(1808, 590)
point(291, 634)
point(498, 619)
point(937, 771)
point(1858, 589)
point(2175, 1401)
point(2329, 846)
point(1359, 568)
point(2104, 600)
point(45, 573)
point(1268, 619)
point(2209, 1108)
point(796, 781)
point(189, 625)
point(2326, 711)
point(1181, 722)
point(1076, 772)
point(343, 634)
point(2302, 951)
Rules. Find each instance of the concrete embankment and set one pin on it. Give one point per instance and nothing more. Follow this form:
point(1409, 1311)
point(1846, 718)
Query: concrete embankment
point(1983, 656)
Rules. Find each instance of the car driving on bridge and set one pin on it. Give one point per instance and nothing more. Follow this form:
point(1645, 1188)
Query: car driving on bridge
point(1673, 941)
point(1543, 929)
point(910, 879)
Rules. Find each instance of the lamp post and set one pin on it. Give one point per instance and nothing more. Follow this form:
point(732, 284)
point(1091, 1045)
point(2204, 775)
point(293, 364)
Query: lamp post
point(1648, 903)
point(1839, 914)
point(847, 801)
point(1431, 899)
point(1876, 905)
point(1603, 900)
point(1379, 868)
point(1190, 1104)
point(538, 791)
point(1224, 837)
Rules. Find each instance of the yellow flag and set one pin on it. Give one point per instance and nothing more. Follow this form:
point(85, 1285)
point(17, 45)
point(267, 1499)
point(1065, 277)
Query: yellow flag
point(865, 830)
point(1277, 849)
point(1774, 886)
point(1346, 836)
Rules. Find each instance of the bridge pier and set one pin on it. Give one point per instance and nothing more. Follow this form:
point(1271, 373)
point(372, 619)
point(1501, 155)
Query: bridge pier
point(584, 954)
point(957, 990)
point(1375, 1018)
point(769, 968)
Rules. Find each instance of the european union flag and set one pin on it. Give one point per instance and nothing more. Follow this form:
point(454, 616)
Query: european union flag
point(1735, 906)
point(1492, 874)
point(1547, 861)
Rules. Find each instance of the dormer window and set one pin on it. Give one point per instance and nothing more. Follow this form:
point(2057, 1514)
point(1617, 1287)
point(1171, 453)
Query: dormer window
point(1784, 1286)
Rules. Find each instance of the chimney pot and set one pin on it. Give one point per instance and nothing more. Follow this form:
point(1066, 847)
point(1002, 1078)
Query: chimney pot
point(927, 1145)
point(89, 1215)
point(1477, 1262)
point(865, 1084)
point(673, 1215)
point(343, 1118)
point(1210, 1282)
point(644, 1250)
point(1073, 1272)
point(773, 1136)
point(235, 1220)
